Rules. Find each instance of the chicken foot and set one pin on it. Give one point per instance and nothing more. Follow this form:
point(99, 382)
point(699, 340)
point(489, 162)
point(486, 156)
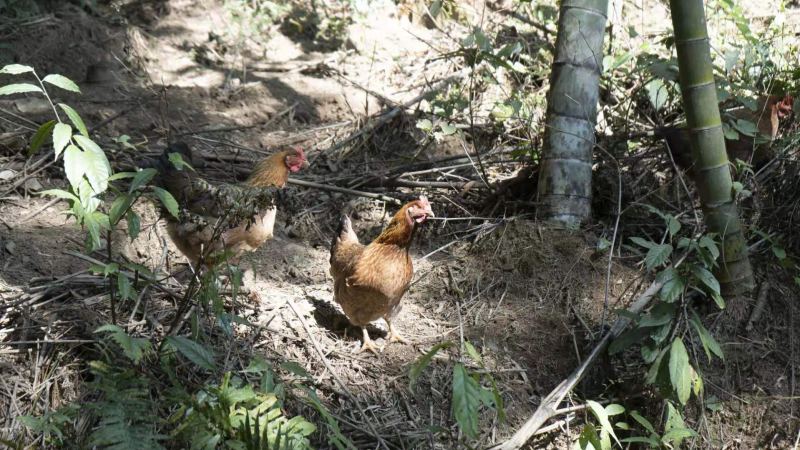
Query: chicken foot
point(368, 344)
point(394, 336)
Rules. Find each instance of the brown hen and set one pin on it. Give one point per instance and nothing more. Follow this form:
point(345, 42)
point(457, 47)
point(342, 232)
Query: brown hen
point(369, 281)
point(223, 220)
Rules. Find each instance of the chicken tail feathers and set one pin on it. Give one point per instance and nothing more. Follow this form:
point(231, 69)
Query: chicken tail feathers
point(344, 232)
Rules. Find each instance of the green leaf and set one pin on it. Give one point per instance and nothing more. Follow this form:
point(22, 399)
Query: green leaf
point(134, 224)
point(39, 137)
point(602, 417)
point(422, 363)
point(62, 82)
point(657, 255)
point(655, 368)
point(133, 348)
point(707, 243)
point(673, 225)
point(19, 88)
point(16, 69)
point(73, 165)
point(710, 345)
point(746, 127)
point(97, 168)
point(61, 135)
point(680, 371)
point(642, 421)
point(75, 118)
point(674, 284)
point(448, 128)
point(124, 286)
point(296, 369)
point(652, 442)
point(659, 315)
point(707, 278)
point(614, 409)
point(676, 435)
point(657, 93)
point(177, 161)
point(121, 176)
point(466, 401)
point(142, 178)
point(642, 242)
point(425, 125)
point(118, 208)
point(167, 200)
point(193, 351)
point(473, 352)
point(60, 194)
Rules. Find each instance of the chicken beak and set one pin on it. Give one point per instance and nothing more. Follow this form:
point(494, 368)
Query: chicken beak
point(429, 212)
point(304, 164)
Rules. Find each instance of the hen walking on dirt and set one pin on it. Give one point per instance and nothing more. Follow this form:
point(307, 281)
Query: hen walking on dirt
point(369, 281)
point(223, 219)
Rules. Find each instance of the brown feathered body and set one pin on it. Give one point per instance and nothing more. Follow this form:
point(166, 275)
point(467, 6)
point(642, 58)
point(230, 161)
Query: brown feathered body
point(370, 280)
point(224, 219)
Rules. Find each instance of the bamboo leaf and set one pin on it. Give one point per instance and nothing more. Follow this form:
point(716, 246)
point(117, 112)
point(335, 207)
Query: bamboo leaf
point(40, 136)
point(710, 345)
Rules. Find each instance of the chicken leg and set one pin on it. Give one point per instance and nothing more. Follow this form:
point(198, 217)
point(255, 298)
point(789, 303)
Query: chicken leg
point(368, 343)
point(394, 336)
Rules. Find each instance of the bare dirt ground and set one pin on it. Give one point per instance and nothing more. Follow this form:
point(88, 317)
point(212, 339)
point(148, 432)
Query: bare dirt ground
point(531, 299)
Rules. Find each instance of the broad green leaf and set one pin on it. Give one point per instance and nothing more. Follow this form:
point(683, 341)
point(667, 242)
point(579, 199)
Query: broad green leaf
point(422, 363)
point(193, 351)
point(622, 426)
point(89, 201)
point(119, 207)
point(142, 178)
point(16, 69)
point(40, 136)
point(73, 165)
point(473, 352)
point(60, 194)
point(746, 127)
point(614, 409)
point(707, 278)
point(425, 125)
point(680, 371)
point(657, 256)
point(19, 88)
point(709, 244)
point(177, 161)
point(75, 118)
point(167, 200)
point(61, 135)
point(448, 128)
point(296, 369)
point(97, 167)
point(673, 225)
point(124, 286)
point(676, 435)
point(133, 348)
point(62, 82)
point(659, 315)
point(642, 421)
point(657, 93)
point(652, 373)
point(466, 400)
point(643, 242)
point(710, 345)
point(674, 284)
point(697, 384)
point(602, 417)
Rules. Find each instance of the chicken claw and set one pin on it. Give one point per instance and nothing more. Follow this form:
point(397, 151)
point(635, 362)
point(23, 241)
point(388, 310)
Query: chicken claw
point(368, 344)
point(394, 336)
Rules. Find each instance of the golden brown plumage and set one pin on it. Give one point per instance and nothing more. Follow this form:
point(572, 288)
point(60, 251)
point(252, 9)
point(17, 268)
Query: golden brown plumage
point(369, 281)
point(224, 219)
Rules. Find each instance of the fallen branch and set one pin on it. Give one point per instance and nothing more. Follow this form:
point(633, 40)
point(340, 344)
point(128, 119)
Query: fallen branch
point(549, 405)
point(328, 187)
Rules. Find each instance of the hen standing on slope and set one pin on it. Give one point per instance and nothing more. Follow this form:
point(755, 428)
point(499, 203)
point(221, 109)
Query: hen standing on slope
point(224, 219)
point(369, 281)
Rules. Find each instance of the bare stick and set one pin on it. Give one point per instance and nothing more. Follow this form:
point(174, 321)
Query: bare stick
point(329, 187)
point(336, 377)
point(760, 304)
point(549, 405)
